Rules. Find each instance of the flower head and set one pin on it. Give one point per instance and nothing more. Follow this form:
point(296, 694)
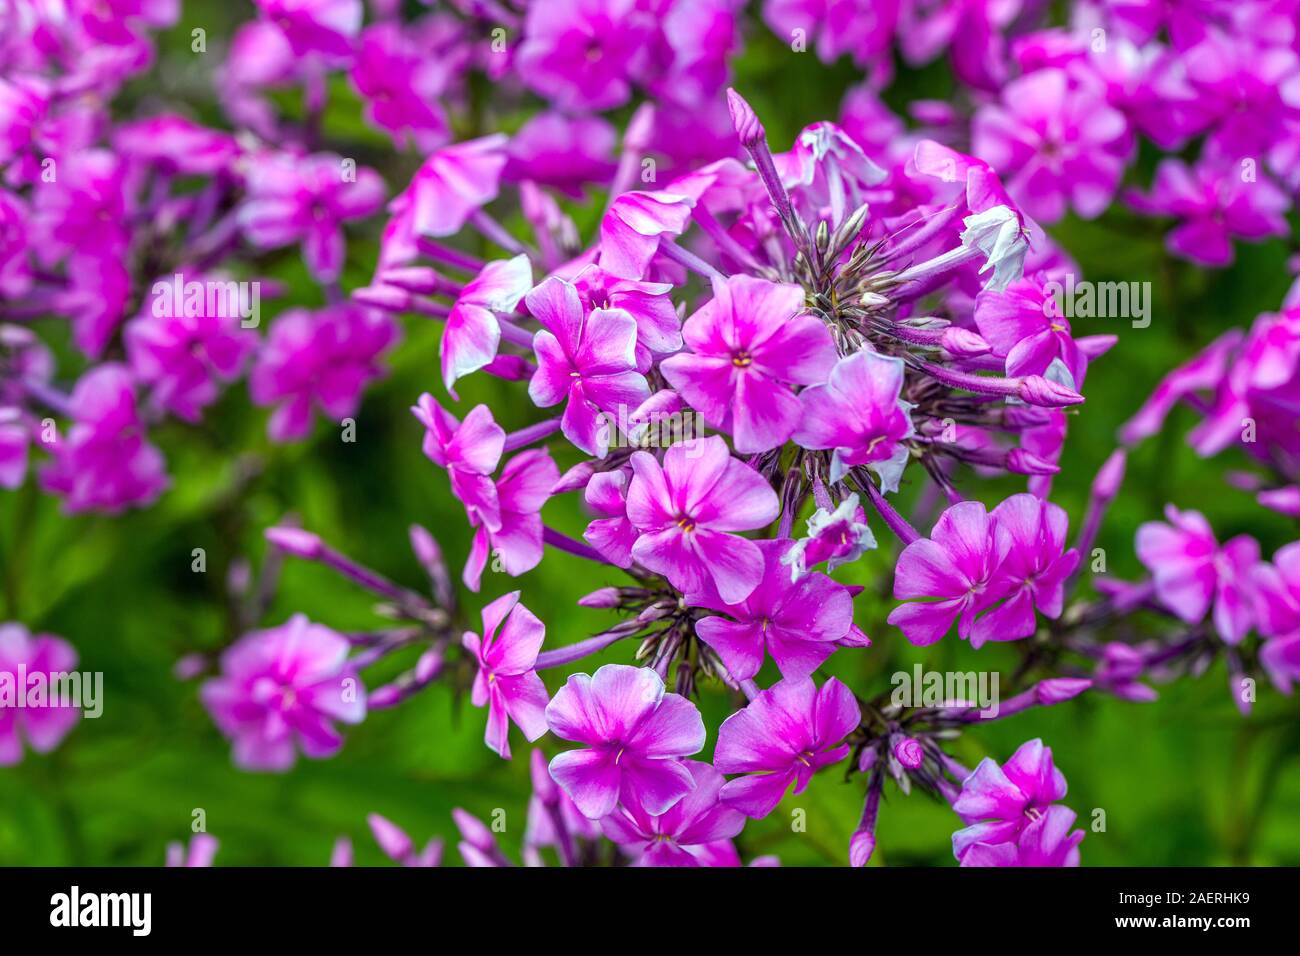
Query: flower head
point(636, 737)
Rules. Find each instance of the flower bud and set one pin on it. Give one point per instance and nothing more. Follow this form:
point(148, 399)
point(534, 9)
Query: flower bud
point(295, 541)
point(909, 752)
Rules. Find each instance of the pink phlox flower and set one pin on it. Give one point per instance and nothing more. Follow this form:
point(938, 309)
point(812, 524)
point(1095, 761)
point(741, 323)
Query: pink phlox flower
point(785, 735)
point(585, 359)
point(681, 835)
point(507, 681)
point(859, 415)
point(687, 511)
point(473, 331)
point(748, 346)
point(523, 487)
point(29, 667)
point(837, 537)
point(636, 735)
point(798, 622)
point(281, 689)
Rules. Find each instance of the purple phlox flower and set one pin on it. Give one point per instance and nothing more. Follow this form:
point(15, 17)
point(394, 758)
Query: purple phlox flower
point(1277, 587)
point(176, 145)
point(202, 850)
point(956, 564)
point(687, 511)
point(399, 847)
point(864, 30)
point(322, 27)
point(32, 710)
point(401, 84)
point(859, 416)
point(506, 681)
point(1025, 326)
point(583, 54)
point(282, 689)
point(565, 152)
point(1249, 87)
point(749, 344)
point(1047, 841)
point(450, 186)
point(1216, 204)
point(612, 534)
point(84, 209)
point(658, 327)
point(1205, 371)
point(323, 359)
point(799, 622)
point(785, 735)
point(836, 537)
point(636, 734)
point(183, 353)
point(701, 38)
point(1012, 804)
point(828, 174)
point(473, 332)
point(259, 58)
point(95, 299)
point(307, 199)
point(971, 30)
point(635, 222)
point(1058, 141)
point(105, 462)
point(524, 486)
point(677, 836)
point(586, 359)
point(1191, 571)
point(470, 451)
point(1030, 534)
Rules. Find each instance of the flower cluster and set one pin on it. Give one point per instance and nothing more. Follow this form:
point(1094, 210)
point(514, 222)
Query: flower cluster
point(737, 363)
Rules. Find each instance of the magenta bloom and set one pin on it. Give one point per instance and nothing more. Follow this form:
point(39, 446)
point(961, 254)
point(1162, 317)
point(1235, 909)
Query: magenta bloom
point(588, 360)
point(1030, 533)
point(566, 152)
point(686, 511)
point(454, 183)
point(580, 54)
point(283, 688)
point(469, 450)
point(1277, 589)
point(633, 226)
point(1024, 326)
point(679, 836)
point(749, 344)
point(524, 486)
point(323, 359)
point(786, 734)
point(799, 622)
point(506, 681)
point(836, 537)
point(859, 414)
point(1010, 815)
point(105, 462)
point(636, 737)
point(1056, 142)
point(1216, 205)
point(186, 358)
point(174, 144)
point(46, 719)
point(401, 85)
point(955, 564)
point(473, 332)
point(1191, 571)
point(658, 329)
point(201, 851)
point(613, 534)
point(324, 27)
point(307, 199)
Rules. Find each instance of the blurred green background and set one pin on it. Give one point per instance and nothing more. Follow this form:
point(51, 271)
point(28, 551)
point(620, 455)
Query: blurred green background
point(1184, 780)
